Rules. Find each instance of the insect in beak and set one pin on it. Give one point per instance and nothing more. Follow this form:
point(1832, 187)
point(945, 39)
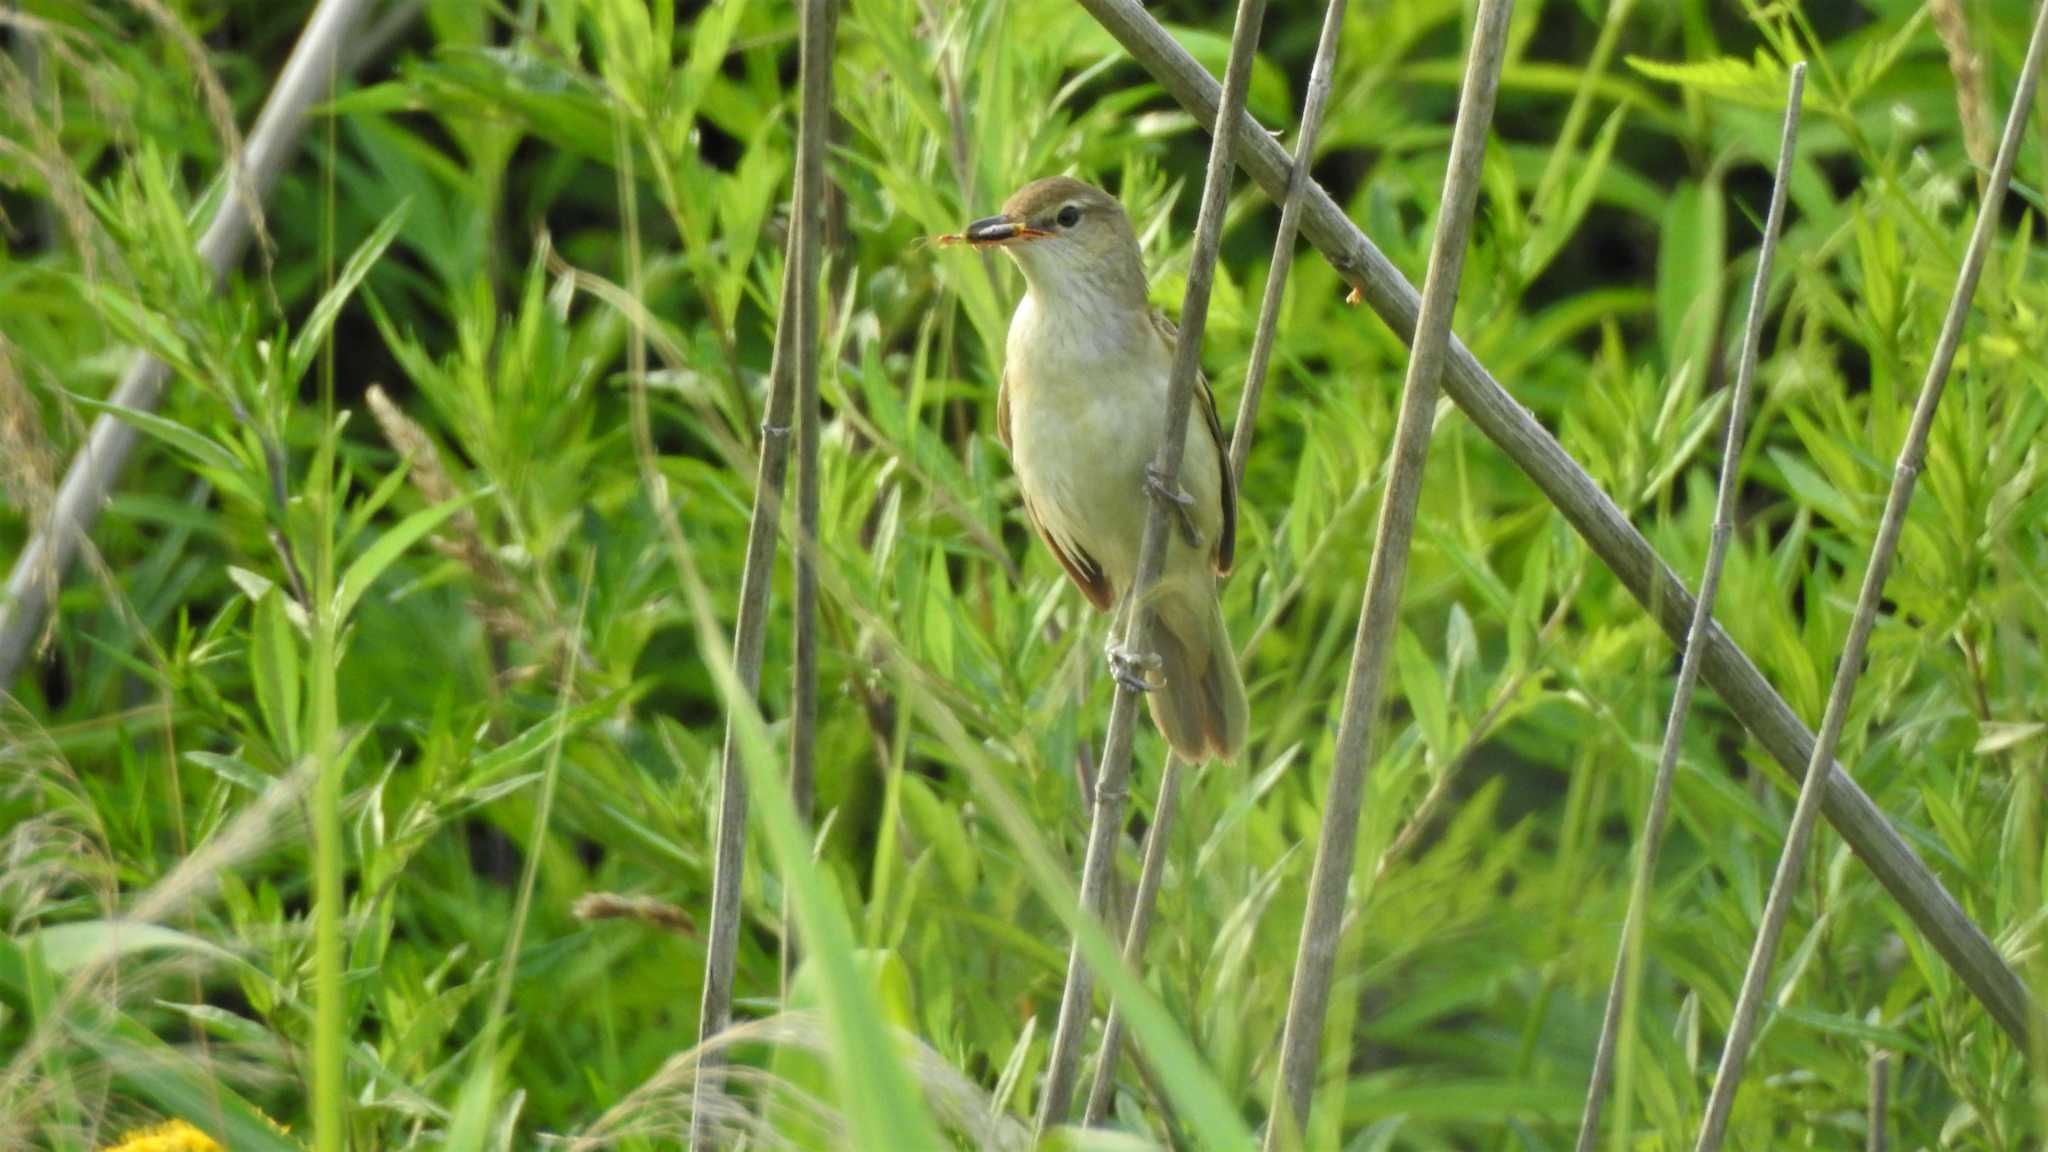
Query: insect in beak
point(994, 232)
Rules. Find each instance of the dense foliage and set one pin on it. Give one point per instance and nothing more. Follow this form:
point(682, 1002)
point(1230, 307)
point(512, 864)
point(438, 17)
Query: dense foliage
point(421, 405)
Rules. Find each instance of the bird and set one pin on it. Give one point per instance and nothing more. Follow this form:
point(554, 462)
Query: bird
point(1081, 409)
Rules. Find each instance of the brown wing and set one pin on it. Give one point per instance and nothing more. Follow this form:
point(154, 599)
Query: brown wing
point(1225, 555)
point(1081, 567)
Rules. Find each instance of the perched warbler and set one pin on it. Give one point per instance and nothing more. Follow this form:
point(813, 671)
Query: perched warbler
point(1081, 409)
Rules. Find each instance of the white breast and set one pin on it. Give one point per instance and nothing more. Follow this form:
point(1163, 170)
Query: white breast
point(1087, 400)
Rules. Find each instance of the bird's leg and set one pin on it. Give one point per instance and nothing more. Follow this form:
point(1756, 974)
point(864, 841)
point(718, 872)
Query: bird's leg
point(1183, 504)
point(1129, 669)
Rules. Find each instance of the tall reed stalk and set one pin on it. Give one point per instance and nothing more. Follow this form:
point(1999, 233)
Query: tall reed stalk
point(1621, 987)
point(1601, 523)
point(1112, 780)
point(803, 720)
point(1321, 80)
point(1322, 924)
point(1749, 1004)
point(795, 329)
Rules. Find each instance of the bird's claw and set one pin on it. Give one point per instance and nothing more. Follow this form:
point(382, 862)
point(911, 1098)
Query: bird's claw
point(1183, 503)
point(1129, 668)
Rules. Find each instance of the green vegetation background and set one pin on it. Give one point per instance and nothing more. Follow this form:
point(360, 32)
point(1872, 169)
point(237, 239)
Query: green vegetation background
point(542, 199)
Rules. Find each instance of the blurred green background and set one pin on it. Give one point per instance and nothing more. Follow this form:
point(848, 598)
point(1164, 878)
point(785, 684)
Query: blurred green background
point(555, 189)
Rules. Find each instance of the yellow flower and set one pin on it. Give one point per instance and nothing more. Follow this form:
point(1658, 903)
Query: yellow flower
point(171, 1136)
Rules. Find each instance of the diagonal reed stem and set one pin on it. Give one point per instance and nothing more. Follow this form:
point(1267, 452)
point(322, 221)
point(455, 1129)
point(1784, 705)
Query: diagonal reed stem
point(89, 480)
point(1308, 1003)
point(796, 328)
point(1321, 80)
point(1627, 961)
point(1602, 524)
point(1112, 780)
point(1748, 1005)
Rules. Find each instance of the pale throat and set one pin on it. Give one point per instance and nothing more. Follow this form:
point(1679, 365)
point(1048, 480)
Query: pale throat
point(1087, 313)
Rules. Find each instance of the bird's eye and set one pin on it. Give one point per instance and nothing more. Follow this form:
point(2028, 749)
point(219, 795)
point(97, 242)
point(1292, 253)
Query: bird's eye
point(1069, 216)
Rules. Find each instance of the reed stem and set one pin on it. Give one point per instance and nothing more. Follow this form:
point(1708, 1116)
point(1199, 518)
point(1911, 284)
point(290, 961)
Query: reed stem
point(1336, 849)
point(1621, 988)
point(1749, 1004)
point(1112, 780)
point(798, 306)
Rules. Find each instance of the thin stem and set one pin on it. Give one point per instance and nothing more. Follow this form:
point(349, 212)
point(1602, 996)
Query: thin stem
point(1321, 80)
point(89, 480)
point(1627, 962)
point(1112, 779)
point(799, 280)
point(803, 737)
point(1136, 934)
point(1601, 522)
point(1880, 1088)
point(1308, 1003)
point(330, 999)
point(1728, 1078)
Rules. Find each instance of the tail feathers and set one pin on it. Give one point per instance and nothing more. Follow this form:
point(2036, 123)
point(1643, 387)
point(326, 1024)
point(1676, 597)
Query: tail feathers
point(1200, 706)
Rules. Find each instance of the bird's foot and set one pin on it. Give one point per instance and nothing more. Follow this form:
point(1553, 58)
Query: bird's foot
point(1130, 669)
point(1183, 504)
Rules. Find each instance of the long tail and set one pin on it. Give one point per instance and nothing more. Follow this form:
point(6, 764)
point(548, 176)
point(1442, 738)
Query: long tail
point(1200, 708)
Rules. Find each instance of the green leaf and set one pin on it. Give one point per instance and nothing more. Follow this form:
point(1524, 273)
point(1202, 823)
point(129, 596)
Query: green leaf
point(320, 321)
point(386, 551)
point(83, 943)
point(1423, 686)
point(1689, 268)
point(274, 669)
point(1759, 83)
point(155, 1071)
point(225, 468)
point(940, 827)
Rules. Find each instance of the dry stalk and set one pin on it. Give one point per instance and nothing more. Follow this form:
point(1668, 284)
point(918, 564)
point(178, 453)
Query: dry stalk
point(242, 185)
point(1966, 64)
point(1880, 1088)
point(28, 468)
point(1601, 523)
point(1748, 1005)
point(1308, 1002)
point(89, 481)
point(594, 906)
point(462, 540)
point(1620, 988)
point(1112, 782)
point(796, 328)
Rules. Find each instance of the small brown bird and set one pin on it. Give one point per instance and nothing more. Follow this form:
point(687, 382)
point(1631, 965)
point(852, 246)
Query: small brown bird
point(1081, 409)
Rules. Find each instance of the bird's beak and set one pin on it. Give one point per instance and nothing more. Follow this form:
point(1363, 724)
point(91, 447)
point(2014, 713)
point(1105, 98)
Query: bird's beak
point(996, 231)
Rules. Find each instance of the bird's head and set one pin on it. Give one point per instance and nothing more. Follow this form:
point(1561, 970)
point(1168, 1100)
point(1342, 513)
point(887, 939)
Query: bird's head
point(1070, 238)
